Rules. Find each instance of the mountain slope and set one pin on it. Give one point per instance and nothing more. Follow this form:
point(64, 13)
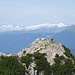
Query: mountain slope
point(44, 45)
point(67, 37)
point(45, 52)
point(43, 57)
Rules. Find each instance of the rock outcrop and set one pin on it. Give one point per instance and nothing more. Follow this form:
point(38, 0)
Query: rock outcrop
point(44, 45)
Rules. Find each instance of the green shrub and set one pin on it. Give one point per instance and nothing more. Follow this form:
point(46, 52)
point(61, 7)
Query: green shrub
point(67, 51)
point(11, 66)
point(42, 63)
point(27, 59)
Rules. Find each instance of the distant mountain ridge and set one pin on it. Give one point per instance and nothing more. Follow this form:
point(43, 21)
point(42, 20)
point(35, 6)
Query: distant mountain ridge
point(11, 27)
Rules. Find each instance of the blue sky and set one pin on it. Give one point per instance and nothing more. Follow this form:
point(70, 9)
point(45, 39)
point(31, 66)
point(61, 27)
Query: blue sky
point(32, 12)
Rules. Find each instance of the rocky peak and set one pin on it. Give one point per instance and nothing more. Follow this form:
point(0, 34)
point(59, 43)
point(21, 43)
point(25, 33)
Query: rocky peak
point(44, 45)
point(42, 54)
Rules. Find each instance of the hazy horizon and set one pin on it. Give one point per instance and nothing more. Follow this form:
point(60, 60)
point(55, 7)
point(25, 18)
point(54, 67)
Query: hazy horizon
point(32, 12)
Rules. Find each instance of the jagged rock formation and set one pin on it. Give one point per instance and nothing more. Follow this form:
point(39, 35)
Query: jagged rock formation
point(44, 45)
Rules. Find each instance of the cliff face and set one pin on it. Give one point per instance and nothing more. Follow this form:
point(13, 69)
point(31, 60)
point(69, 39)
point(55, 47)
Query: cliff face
point(44, 45)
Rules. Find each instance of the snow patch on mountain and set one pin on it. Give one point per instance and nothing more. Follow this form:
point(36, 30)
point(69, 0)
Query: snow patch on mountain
point(46, 25)
point(10, 27)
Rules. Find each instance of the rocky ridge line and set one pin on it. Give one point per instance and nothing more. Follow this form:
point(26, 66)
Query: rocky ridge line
point(44, 45)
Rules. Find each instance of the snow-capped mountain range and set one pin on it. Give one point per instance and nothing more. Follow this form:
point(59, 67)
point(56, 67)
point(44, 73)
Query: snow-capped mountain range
point(11, 27)
point(46, 25)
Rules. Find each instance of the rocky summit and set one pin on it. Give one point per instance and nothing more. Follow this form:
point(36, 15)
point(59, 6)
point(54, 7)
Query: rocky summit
point(44, 56)
point(44, 45)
